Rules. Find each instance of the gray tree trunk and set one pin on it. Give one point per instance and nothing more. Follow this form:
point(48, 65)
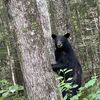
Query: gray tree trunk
point(60, 16)
point(31, 23)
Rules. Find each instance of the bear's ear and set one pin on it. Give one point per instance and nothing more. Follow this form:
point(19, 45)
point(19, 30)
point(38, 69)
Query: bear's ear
point(53, 36)
point(67, 35)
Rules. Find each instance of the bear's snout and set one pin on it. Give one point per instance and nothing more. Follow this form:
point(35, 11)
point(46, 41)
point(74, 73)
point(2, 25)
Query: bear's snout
point(59, 44)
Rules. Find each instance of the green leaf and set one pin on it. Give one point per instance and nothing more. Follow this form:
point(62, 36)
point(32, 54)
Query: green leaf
point(68, 86)
point(92, 95)
point(81, 88)
point(90, 83)
point(61, 70)
point(5, 94)
point(97, 97)
point(62, 81)
point(62, 84)
point(65, 97)
point(59, 78)
point(65, 69)
point(2, 91)
point(63, 88)
point(20, 88)
point(13, 88)
point(74, 97)
point(75, 85)
point(68, 71)
point(3, 81)
point(98, 92)
point(69, 79)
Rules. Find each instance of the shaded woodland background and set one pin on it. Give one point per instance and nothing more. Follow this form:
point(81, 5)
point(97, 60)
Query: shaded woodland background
point(79, 17)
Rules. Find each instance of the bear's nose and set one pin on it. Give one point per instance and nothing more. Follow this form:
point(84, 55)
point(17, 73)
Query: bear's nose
point(59, 44)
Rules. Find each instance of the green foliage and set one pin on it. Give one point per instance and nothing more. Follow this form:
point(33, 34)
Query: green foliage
point(11, 92)
point(90, 90)
point(66, 86)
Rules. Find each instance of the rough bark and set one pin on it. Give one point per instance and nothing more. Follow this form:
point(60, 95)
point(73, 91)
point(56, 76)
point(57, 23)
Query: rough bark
point(30, 20)
point(60, 16)
point(13, 61)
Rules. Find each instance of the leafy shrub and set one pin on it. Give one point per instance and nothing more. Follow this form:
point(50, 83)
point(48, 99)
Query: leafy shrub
point(10, 92)
point(65, 86)
point(90, 90)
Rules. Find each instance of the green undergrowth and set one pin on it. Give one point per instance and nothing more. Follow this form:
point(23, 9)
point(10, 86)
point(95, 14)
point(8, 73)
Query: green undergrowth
point(89, 91)
point(9, 91)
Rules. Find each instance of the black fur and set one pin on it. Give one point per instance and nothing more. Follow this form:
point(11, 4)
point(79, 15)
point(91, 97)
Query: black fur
point(65, 58)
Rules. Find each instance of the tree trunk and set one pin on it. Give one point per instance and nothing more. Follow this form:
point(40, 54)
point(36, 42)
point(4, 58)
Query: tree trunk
point(11, 64)
point(30, 20)
point(13, 61)
point(60, 17)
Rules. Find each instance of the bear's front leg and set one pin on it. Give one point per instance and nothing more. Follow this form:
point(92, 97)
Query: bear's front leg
point(54, 67)
point(59, 66)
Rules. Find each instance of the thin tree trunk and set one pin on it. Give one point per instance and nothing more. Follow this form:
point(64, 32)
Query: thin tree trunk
point(17, 67)
point(11, 64)
point(30, 20)
point(11, 48)
point(60, 16)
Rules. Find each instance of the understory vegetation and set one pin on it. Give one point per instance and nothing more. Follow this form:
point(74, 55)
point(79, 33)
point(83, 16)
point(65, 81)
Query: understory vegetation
point(88, 91)
point(11, 92)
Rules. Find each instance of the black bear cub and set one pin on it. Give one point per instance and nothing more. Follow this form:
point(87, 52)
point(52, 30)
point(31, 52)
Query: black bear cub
point(65, 58)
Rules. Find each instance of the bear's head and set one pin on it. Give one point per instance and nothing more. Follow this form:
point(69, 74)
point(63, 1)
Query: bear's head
point(60, 40)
